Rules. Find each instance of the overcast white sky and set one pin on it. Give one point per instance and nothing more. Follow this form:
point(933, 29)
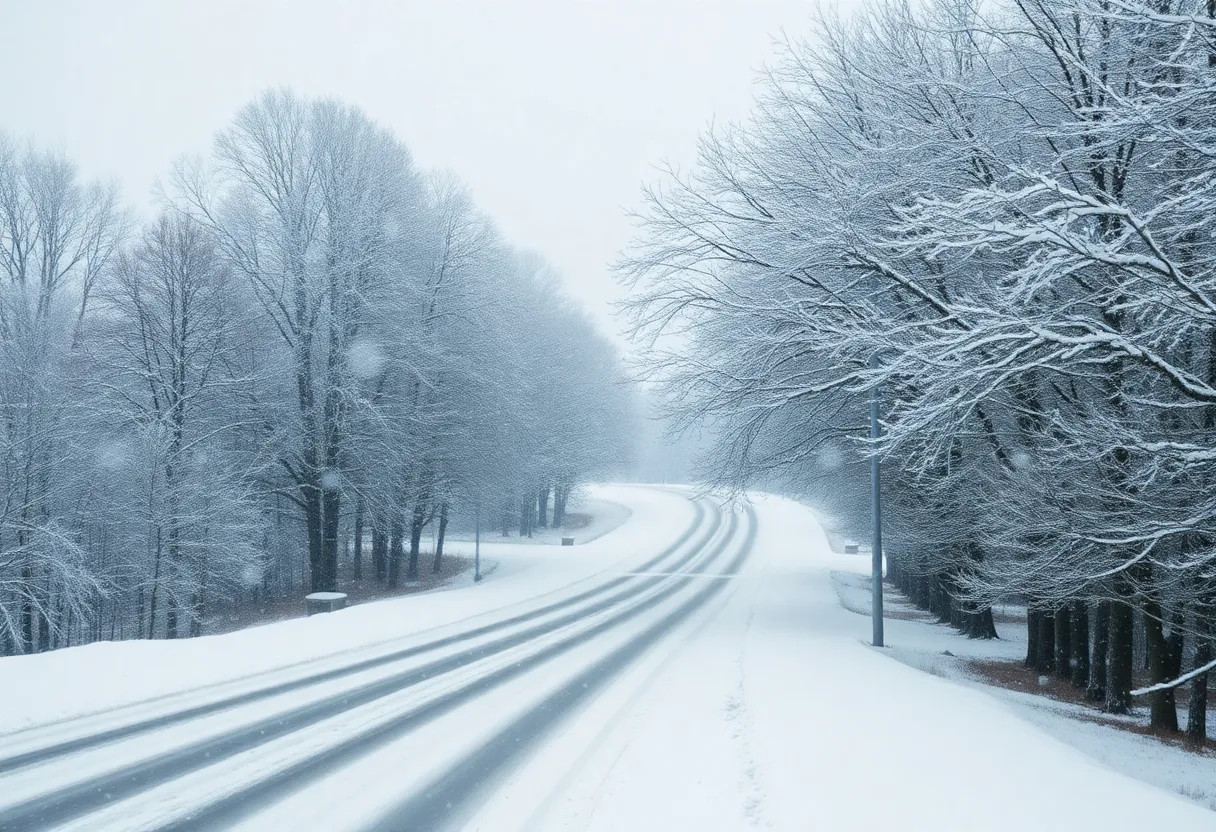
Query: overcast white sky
point(554, 111)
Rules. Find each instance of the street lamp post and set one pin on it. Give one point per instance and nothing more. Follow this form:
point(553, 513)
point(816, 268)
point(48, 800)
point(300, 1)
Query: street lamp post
point(477, 545)
point(876, 516)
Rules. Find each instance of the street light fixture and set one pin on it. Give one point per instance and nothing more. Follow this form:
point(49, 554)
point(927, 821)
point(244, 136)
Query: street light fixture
point(876, 516)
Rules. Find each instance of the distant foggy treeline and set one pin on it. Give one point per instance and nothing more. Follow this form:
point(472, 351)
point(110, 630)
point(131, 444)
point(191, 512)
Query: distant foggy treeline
point(1003, 216)
point(314, 348)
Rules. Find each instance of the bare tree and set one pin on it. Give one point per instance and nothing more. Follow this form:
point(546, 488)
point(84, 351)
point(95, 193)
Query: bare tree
point(55, 237)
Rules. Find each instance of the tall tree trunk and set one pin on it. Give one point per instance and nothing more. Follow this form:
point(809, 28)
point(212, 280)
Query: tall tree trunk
point(173, 553)
point(27, 609)
point(1063, 656)
point(542, 503)
point(57, 633)
point(1120, 658)
point(199, 607)
point(1079, 642)
point(1175, 643)
point(1095, 691)
point(1197, 707)
point(331, 507)
point(940, 601)
point(1032, 635)
point(1142, 632)
point(155, 586)
point(45, 609)
point(416, 524)
point(358, 558)
point(977, 622)
point(443, 528)
point(314, 519)
point(560, 494)
point(140, 612)
point(379, 549)
point(1163, 710)
point(396, 553)
point(1047, 642)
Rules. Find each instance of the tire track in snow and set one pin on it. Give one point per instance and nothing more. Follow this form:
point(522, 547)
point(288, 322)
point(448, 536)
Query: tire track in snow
point(49, 751)
point(443, 797)
point(82, 798)
point(438, 804)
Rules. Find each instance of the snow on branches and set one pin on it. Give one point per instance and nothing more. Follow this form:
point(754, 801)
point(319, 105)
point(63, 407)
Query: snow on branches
point(1009, 207)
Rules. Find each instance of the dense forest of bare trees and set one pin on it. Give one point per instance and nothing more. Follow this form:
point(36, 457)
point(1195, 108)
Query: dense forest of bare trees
point(1001, 215)
point(314, 351)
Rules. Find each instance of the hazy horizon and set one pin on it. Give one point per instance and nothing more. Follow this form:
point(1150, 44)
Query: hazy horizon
point(554, 113)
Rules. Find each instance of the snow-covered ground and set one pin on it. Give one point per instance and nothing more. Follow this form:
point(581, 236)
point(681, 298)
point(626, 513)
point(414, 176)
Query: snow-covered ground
point(940, 650)
point(601, 514)
point(772, 711)
point(50, 687)
point(764, 707)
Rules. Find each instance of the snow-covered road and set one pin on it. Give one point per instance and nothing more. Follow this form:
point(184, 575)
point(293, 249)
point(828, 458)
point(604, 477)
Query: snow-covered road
point(261, 750)
point(690, 670)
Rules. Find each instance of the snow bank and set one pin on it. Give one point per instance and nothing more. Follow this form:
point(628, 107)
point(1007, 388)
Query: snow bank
point(922, 644)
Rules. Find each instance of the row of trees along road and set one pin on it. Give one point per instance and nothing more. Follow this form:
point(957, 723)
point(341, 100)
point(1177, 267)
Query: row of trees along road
point(315, 349)
point(1009, 207)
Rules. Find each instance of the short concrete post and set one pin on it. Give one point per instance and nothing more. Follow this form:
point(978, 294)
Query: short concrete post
point(567, 541)
point(324, 602)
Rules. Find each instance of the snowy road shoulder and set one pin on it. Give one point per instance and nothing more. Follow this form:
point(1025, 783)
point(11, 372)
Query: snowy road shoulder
point(948, 757)
point(918, 641)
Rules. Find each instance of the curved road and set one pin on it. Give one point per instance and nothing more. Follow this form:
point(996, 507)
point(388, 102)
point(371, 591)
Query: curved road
point(420, 733)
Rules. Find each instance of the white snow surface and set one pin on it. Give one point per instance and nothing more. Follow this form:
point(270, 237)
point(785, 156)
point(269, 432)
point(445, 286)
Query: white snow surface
point(923, 644)
point(773, 712)
point(766, 709)
point(63, 684)
point(325, 596)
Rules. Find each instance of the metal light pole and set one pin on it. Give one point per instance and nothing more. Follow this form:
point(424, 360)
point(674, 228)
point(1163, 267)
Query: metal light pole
point(477, 546)
point(876, 517)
